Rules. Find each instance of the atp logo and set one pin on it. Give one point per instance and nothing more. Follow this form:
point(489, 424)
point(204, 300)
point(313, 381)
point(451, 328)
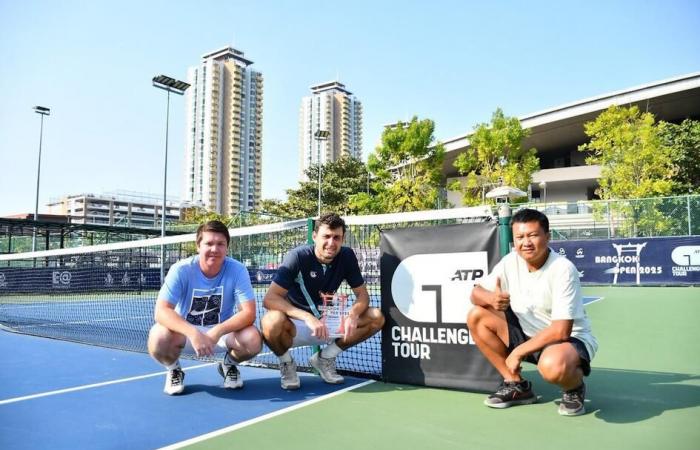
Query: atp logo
point(435, 288)
point(3, 283)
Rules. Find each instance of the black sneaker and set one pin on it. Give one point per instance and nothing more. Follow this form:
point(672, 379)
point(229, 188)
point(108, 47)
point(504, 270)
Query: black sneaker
point(511, 393)
point(572, 401)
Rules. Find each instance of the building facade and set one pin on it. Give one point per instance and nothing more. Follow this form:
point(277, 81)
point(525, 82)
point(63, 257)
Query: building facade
point(558, 132)
point(333, 109)
point(127, 209)
point(223, 149)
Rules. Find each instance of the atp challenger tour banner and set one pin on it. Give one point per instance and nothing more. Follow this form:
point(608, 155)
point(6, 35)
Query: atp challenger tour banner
point(640, 261)
point(427, 275)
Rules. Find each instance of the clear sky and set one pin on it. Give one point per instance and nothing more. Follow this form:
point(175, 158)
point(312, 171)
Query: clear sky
point(455, 62)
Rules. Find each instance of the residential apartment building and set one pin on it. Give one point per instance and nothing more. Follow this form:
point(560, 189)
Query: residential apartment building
point(330, 108)
point(223, 149)
point(128, 209)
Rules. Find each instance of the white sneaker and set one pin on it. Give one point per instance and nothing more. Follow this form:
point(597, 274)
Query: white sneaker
point(174, 381)
point(290, 379)
point(326, 368)
point(232, 377)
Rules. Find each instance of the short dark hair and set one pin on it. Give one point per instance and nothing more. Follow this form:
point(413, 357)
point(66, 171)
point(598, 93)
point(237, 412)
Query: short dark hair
point(215, 226)
point(331, 220)
point(531, 215)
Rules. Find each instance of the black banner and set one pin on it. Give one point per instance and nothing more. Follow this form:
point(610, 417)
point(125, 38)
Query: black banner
point(426, 278)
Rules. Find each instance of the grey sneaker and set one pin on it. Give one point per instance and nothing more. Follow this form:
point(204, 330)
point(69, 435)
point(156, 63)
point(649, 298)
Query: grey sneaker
point(511, 393)
point(326, 368)
point(572, 402)
point(290, 379)
point(232, 377)
point(174, 381)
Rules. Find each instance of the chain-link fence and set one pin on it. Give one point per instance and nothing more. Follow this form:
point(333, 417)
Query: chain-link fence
point(607, 219)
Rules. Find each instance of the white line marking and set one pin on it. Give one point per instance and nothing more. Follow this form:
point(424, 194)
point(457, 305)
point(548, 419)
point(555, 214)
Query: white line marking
point(90, 386)
point(262, 418)
point(593, 301)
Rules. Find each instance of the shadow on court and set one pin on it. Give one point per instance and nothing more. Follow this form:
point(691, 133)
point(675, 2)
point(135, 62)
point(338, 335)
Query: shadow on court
point(627, 396)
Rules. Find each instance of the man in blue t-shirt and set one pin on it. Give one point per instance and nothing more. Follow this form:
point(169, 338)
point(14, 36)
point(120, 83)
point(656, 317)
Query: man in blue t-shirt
point(196, 311)
point(308, 276)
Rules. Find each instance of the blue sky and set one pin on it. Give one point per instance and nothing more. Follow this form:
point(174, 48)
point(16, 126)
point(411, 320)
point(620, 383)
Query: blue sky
point(454, 62)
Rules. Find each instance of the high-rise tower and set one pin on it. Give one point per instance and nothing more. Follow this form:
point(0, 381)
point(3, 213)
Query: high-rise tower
point(224, 133)
point(332, 108)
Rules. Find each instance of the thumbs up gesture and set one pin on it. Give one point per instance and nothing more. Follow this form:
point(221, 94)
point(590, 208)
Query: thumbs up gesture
point(500, 299)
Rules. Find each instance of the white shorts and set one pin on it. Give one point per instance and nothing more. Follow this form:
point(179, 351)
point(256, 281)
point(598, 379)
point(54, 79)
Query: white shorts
point(220, 346)
point(304, 338)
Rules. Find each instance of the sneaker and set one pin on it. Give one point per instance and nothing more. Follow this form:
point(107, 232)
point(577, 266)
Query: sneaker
point(326, 368)
point(572, 401)
point(232, 377)
point(174, 381)
point(511, 393)
point(290, 379)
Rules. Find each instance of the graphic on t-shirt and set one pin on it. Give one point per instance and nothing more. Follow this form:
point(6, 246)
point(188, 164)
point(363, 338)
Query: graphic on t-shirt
point(206, 306)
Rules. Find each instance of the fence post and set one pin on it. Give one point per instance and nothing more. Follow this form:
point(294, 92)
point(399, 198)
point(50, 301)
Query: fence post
point(690, 229)
point(505, 234)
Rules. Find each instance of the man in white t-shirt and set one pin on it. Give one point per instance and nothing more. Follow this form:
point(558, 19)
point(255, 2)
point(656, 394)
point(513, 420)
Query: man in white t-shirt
point(530, 308)
point(205, 306)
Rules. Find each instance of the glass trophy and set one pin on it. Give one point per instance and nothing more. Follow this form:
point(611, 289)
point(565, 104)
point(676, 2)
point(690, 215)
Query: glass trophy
point(333, 315)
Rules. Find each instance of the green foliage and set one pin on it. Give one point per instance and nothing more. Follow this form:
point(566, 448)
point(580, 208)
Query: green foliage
point(340, 180)
point(406, 170)
point(496, 157)
point(684, 141)
point(628, 147)
point(635, 163)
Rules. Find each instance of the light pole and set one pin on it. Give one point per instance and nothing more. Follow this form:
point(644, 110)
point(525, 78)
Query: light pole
point(177, 87)
point(320, 135)
point(43, 111)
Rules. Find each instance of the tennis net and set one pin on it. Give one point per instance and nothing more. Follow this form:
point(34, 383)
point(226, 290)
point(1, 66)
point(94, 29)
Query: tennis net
point(105, 294)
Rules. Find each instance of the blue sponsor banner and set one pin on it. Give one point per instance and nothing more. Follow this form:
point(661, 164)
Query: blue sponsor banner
point(65, 279)
point(638, 261)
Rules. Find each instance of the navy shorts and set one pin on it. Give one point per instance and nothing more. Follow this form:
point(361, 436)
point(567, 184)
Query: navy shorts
point(517, 336)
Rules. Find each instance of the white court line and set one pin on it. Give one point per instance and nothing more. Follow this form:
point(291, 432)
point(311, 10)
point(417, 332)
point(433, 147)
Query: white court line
point(262, 418)
point(593, 301)
point(84, 322)
point(90, 386)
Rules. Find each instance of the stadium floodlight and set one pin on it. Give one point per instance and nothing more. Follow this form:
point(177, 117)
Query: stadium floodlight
point(176, 87)
point(42, 111)
point(320, 135)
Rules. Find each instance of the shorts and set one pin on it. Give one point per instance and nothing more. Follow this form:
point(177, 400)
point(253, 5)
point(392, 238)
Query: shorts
point(220, 345)
point(517, 336)
point(304, 337)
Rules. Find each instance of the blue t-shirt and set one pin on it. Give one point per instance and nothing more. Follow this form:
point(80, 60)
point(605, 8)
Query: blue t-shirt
point(206, 301)
point(305, 277)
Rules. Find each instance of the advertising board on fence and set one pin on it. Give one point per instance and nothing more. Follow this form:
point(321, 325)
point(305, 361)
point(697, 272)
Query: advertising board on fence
point(427, 275)
point(638, 261)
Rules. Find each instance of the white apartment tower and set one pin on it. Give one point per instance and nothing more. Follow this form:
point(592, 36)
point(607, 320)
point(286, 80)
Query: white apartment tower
point(224, 133)
point(332, 108)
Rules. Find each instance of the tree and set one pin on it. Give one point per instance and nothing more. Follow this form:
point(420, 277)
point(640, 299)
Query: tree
point(684, 140)
point(628, 147)
point(340, 180)
point(496, 157)
point(635, 164)
point(406, 170)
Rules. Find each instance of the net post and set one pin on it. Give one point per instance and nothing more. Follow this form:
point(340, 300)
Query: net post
point(505, 234)
point(310, 240)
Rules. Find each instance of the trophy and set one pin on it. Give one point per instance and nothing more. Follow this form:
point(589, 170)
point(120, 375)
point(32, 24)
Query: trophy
point(334, 312)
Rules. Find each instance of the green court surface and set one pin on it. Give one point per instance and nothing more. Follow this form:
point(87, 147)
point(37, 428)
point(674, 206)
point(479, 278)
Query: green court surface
point(644, 393)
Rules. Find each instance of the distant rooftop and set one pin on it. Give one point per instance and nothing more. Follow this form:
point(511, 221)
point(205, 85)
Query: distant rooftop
point(328, 86)
point(226, 53)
